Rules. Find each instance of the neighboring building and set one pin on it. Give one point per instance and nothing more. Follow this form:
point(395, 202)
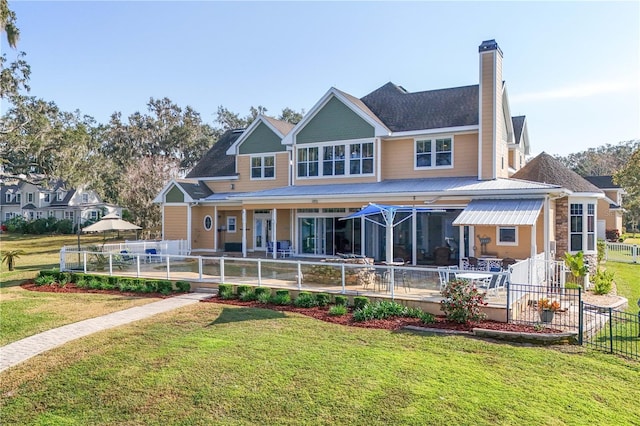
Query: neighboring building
point(51, 199)
point(610, 211)
point(450, 153)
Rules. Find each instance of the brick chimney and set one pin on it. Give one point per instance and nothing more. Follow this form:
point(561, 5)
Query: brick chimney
point(493, 151)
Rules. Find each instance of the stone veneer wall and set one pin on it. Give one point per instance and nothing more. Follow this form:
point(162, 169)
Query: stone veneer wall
point(562, 227)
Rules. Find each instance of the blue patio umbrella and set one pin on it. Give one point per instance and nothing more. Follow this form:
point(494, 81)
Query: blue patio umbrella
point(388, 213)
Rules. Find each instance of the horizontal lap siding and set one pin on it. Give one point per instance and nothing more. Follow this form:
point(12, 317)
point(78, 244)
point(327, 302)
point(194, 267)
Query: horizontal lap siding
point(175, 222)
point(398, 159)
point(202, 239)
point(246, 184)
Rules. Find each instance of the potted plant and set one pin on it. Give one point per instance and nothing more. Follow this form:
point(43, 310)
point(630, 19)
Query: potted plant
point(547, 309)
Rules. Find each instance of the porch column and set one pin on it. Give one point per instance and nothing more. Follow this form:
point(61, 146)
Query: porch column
point(414, 237)
point(215, 228)
point(547, 248)
point(532, 263)
point(244, 232)
point(461, 245)
point(189, 227)
point(274, 239)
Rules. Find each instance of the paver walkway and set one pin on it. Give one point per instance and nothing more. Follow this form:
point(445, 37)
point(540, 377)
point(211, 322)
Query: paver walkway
point(17, 352)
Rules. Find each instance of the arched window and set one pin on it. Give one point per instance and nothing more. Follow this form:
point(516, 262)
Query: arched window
point(208, 223)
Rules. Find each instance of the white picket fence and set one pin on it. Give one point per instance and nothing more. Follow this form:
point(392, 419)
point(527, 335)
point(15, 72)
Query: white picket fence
point(621, 252)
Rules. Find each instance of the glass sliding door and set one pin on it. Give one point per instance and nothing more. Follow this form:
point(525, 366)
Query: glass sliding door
point(261, 233)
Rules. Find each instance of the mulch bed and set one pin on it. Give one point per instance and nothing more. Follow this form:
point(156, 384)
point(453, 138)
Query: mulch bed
point(322, 314)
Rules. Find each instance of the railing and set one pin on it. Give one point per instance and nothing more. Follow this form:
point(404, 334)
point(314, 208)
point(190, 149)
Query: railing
point(395, 282)
point(524, 307)
point(174, 247)
point(621, 252)
point(611, 330)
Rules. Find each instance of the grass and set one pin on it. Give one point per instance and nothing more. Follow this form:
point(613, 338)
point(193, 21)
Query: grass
point(208, 363)
point(627, 279)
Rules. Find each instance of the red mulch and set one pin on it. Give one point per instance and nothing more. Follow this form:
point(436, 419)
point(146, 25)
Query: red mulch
point(388, 324)
point(71, 288)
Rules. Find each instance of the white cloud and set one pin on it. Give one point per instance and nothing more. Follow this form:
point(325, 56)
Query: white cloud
point(578, 91)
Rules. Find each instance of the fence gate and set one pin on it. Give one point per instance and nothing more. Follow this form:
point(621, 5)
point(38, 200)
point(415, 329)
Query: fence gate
point(610, 330)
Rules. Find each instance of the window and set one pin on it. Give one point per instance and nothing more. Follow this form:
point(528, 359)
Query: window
point(308, 162)
point(93, 215)
point(582, 221)
point(208, 223)
point(29, 197)
point(85, 198)
point(336, 160)
point(31, 215)
point(18, 197)
point(60, 195)
point(38, 215)
point(434, 152)
point(47, 197)
point(263, 167)
point(231, 224)
point(68, 215)
point(507, 236)
point(8, 197)
point(52, 213)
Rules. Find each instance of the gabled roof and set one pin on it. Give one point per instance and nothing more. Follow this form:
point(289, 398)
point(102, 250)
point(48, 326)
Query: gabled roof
point(544, 168)
point(216, 162)
point(603, 182)
point(29, 206)
point(283, 127)
point(194, 188)
point(279, 127)
point(518, 126)
point(403, 111)
point(65, 200)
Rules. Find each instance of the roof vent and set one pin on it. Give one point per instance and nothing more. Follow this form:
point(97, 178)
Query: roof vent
point(489, 45)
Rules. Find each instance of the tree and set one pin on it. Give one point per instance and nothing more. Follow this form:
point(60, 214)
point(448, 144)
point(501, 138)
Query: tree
point(628, 177)
point(291, 116)
point(9, 257)
point(601, 161)
point(14, 76)
point(8, 24)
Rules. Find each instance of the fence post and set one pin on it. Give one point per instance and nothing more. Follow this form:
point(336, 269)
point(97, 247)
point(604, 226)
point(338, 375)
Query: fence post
point(84, 261)
point(299, 276)
point(168, 268)
point(580, 317)
point(259, 272)
point(63, 253)
point(344, 290)
point(392, 281)
point(222, 269)
point(611, 330)
point(199, 268)
point(138, 266)
point(509, 298)
point(635, 250)
point(110, 264)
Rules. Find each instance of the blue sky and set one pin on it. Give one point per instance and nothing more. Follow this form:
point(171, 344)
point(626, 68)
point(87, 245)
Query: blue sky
point(572, 68)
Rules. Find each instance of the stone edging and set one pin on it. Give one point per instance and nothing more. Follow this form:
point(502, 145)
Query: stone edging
point(511, 336)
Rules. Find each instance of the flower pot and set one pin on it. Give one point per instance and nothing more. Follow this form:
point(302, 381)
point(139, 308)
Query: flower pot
point(546, 315)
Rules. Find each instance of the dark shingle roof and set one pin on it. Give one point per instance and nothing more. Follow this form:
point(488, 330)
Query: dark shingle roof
point(402, 111)
point(195, 188)
point(546, 169)
point(518, 126)
point(65, 201)
point(29, 206)
point(216, 162)
point(602, 182)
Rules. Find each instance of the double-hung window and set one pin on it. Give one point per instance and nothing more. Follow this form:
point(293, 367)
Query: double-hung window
point(308, 162)
point(263, 167)
point(361, 158)
point(29, 197)
point(582, 227)
point(47, 197)
point(333, 160)
point(430, 153)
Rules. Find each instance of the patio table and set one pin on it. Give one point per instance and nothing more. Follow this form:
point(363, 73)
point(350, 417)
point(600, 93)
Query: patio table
point(474, 276)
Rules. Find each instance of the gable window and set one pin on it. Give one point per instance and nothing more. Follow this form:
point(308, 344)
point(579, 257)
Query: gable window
point(85, 198)
point(507, 236)
point(582, 227)
point(431, 153)
point(29, 197)
point(47, 197)
point(8, 197)
point(263, 167)
point(18, 197)
point(361, 158)
point(333, 160)
point(208, 223)
point(231, 224)
point(308, 161)
point(60, 196)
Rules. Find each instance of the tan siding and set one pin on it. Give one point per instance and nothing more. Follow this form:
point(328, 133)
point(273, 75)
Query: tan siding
point(521, 251)
point(335, 180)
point(201, 238)
point(398, 159)
point(175, 222)
point(489, 99)
point(613, 219)
point(246, 184)
point(220, 186)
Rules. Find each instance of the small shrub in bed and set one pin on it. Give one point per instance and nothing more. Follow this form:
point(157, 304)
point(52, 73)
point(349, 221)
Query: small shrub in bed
point(225, 291)
point(305, 300)
point(360, 302)
point(183, 286)
point(95, 283)
point(263, 298)
point(242, 289)
point(82, 282)
point(341, 300)
point(365, 313)
point(282, 297)
point(45, 280)
point(338, 310)
point(322, 299)
point(262, 290)
point(48, 272)
point(248, 295)
point(602, 282)
point(461, 302)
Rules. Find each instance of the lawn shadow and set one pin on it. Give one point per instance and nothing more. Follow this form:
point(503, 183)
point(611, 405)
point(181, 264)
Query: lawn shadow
point(229, 315)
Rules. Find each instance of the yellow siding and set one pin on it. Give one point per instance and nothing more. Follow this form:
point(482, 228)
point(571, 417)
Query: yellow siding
point(201, 238)
point(175, 222)
point(399, 158)
point(521, 251)
point(491, 100)
point(218, 186)
point(612, 218)
point(246, 184)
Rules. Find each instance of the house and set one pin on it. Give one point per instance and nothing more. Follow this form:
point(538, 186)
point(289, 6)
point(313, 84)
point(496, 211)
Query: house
point(451, 157)
point(610, 212)
point(35, 198)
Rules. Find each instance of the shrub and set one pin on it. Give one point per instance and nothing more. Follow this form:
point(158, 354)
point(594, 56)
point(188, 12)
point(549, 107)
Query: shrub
point(282, 297)
point(338, 310)
point(183, 286)
point(44, 280)
point(126, 284)
point(360, 302)
point(602, 282)
point(263, 297)
point(322, 299)
point(572, 286)
point(427, 318)
point(262, 290)
point(242, 289)
point(305, 300)
point(164, 287)
point(64, 226)
point(612, 234)
point(82, 282)
point(225, 291)
point(364, 313)
point(462, 302)
point(94, 283)
point(48, 272)
point(576, 264)
point(602, 247)
point(388, 309)
point(341, 300)
point(64, 278)
point(248, 296)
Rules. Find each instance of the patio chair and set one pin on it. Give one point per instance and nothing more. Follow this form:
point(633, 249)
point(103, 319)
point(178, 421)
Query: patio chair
point(284, 248)
point(491, 284)
point(126, 257)
point(473, 262)
point(152, 255)
point(443, 274)
point(452, 272)
point(506, 262)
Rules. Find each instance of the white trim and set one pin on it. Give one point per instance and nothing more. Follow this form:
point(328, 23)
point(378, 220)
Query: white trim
point(347, 158)
point(378, 161)
point(235, 224)
point(204, 222)
point(215, 178)
point(479, 123)
point(433, 153)
point(160, 198)
point(495, 115)
point(233, 149)
point(506, 111)
point(262, 166)
point(189, 234)
point(429, 132)
point(506, 243)
point(379, 129)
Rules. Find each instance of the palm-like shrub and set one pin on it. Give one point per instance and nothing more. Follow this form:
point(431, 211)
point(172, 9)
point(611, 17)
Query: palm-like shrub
point(9, 257)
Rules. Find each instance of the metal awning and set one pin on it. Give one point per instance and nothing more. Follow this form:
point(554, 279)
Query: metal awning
point(500, 212)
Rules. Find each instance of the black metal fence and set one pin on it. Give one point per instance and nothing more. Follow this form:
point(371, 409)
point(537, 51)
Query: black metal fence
point(610, 330)
point(544, 307)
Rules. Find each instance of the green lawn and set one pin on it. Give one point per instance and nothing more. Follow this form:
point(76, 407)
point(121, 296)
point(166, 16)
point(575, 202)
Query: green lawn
point(210, 363)
point(627, 279)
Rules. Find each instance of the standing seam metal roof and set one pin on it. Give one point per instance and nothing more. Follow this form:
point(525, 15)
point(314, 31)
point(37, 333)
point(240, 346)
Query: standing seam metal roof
point(500, 212)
